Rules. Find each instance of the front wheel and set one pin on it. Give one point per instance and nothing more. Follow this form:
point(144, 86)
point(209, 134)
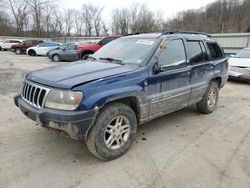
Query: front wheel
point(32, 53)
point(209, 101)
point(56, 58)
point(113, 132)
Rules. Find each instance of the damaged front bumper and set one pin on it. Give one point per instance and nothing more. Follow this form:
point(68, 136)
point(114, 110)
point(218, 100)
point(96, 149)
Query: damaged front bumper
point(74, 124)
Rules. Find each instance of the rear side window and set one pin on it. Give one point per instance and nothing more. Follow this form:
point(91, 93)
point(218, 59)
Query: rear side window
point(204, 51)
point(195, 51)
point(28, 42)
point(215, 50)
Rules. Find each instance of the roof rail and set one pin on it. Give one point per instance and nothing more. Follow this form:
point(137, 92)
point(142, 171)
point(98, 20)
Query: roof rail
point(129, 34)
point(185, 32)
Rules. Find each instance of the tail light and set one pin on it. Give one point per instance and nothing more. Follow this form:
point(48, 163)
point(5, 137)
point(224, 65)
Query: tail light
point(226, 65)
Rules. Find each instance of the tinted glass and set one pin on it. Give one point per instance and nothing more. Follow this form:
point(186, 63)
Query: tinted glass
point(71, 47)
point(43, 44)
point(28, 42)
point(173, 54)
point(196, 54)
point(205, 55)
point(14, 41)
point(215, 50)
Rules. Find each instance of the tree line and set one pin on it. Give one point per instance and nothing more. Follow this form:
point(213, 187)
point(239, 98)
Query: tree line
point(45, 18)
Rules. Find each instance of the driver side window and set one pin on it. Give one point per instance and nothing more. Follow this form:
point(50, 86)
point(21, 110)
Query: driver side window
point(172, 54)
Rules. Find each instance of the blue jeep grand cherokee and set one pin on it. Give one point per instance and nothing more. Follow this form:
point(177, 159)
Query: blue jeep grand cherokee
point(128, 82)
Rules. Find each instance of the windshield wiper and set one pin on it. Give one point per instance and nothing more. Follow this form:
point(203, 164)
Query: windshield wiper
point(90, 57)
point(110, 59)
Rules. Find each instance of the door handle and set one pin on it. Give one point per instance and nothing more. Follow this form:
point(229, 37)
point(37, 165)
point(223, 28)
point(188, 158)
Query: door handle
point(187, 73)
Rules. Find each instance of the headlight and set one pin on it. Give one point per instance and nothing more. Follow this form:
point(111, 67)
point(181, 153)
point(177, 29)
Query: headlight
point(63, 100)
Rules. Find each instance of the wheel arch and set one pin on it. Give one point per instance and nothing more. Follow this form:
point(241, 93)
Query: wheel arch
point(86, 52)
point(218, 80)
point(31, 50)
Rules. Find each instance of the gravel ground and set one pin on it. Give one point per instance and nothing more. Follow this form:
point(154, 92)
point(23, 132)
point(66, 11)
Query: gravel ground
point(182, 149)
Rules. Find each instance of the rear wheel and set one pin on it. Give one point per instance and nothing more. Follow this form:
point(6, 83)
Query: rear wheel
point(209, 101)
point(56, 58)
point(18, 51)
point(113, 132)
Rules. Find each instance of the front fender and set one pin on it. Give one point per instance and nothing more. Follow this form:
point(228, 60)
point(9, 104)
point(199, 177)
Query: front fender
point(99, 99)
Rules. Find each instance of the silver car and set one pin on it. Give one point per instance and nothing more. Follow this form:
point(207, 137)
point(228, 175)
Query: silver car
point(67, 53)
point(240, 65)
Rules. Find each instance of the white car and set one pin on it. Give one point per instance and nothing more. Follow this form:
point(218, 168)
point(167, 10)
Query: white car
point(6, 44)
point(240, 65)
point(42, 49)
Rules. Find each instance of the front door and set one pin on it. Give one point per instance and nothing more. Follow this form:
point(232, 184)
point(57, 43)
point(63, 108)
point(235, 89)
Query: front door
point(70, 53)
point(174, 80)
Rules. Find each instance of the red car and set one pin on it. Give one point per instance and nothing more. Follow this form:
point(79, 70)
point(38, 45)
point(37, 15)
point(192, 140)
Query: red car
point(85, 49)
point(22, 47)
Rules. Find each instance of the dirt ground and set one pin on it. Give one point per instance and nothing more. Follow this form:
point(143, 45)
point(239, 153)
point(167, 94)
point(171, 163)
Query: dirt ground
point(183, 149)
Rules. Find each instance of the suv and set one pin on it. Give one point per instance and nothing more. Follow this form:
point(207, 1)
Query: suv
point(85, 49)
point(130, 81)
point(22, 47)
point(7, 44)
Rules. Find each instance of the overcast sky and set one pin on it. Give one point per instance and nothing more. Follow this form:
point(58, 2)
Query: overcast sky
point(168, 7)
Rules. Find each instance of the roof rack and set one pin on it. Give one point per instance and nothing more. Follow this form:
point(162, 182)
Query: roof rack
point(129, 34)
point(185, 32)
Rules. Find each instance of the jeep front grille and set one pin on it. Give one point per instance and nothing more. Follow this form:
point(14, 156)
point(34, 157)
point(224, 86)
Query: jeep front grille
point(34, 94)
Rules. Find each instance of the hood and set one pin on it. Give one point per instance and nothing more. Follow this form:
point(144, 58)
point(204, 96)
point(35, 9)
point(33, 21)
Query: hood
point(239, 62)
point(69, 75)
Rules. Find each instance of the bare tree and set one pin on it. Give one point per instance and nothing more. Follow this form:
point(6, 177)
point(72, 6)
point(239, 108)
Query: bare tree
point(37, 8)
point(79, 22)
point(68, 20)
point(19, 11)
point(4, 24)
point(120, 21)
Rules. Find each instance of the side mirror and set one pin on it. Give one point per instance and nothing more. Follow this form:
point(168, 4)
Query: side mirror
point(157, 68)
point(100, 43)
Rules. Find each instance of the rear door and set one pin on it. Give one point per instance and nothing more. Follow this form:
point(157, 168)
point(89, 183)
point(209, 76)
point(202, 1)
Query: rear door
point(202, 69)
point(173, 84)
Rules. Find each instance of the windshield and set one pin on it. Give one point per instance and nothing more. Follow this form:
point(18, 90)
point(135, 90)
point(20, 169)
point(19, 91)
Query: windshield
point(243, 54)
point(127, 51)
point(64, 46)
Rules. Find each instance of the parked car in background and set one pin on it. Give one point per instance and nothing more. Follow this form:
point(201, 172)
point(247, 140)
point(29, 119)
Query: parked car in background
point(7, 44)
point(42, 49)
point(22, 47)
point(66, 53)
point(62, 46)
point(128, 82)
point(230, 54)
point(240, 65)
point(87, 48)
